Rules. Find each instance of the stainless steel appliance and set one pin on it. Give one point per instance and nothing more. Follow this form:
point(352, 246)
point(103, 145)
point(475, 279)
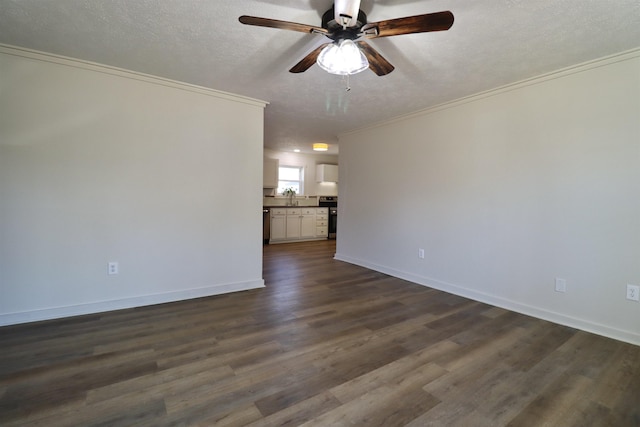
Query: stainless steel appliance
point(333, 222)
point(266, 226)
point(332, 203)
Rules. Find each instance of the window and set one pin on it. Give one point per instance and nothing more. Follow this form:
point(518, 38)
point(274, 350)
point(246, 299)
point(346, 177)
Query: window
point(290, 177)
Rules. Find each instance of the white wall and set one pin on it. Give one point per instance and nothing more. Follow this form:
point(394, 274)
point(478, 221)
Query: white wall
point(98, 165)
point(506, 191)
point(308, 162)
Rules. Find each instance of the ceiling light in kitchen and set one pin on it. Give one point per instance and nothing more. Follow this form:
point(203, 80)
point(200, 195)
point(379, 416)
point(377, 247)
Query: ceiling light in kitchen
point(320, 146)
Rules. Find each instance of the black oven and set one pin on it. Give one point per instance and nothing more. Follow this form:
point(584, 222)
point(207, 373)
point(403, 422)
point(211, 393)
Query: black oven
point(266, 225)
point(332, 203)
point(333, 222)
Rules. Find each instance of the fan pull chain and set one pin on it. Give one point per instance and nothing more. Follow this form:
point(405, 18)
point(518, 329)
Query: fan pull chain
point(347, 85)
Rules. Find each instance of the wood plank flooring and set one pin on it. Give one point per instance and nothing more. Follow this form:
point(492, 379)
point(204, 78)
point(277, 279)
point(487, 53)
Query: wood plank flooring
point(324, 344)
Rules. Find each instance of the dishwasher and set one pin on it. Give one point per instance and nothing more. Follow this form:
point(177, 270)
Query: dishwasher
point(266, 226)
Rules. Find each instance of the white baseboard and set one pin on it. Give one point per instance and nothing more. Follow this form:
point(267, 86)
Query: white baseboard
point(102, 306)
point(495, 300)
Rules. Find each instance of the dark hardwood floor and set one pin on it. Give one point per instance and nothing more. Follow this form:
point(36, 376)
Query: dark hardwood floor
point(325, 343)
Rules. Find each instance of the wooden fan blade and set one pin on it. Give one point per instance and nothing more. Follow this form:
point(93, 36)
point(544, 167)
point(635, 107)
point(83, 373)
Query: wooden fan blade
point(439, 21)
point(377, 63)
point(308, 60)
point(283, 25)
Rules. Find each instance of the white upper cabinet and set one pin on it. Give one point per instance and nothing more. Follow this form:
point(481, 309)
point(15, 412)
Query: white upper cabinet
point(270, 173)
point(327, 173)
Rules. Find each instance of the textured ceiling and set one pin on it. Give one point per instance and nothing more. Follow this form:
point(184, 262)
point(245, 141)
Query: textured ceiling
point(491, 43)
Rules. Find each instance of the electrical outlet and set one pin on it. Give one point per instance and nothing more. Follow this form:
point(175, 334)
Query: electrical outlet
point(561, 285)
point(633, 292)
point(112, 268)
point(421, 253)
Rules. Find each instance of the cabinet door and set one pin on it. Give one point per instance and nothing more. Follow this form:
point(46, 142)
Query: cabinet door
point(278, 227)
point(331, 173)
point(308, 226)
point(293, 226)
point(327, 173)
point(270, 173)
point(322, 222)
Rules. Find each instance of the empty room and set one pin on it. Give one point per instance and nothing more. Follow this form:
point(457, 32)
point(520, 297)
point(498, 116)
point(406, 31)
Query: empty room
point(316, 212)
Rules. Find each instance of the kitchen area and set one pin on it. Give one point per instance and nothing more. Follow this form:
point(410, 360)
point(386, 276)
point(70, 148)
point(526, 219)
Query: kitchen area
point(310, 211)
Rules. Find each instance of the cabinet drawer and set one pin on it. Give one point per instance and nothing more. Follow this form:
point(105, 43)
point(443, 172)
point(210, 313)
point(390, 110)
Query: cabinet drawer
point(278, 211)
point(323, 216)
point(322, 211)
point(323, 223)
point(308, 211)
point(322, 231)
point(295, 211)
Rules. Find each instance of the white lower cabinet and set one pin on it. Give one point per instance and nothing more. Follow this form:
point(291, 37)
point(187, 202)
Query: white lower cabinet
point(296, 224)
point(278, 224)
point(322, 222)
point(308, 226)
point(293, 223)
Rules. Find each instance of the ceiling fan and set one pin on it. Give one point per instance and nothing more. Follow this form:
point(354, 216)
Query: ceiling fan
point(345, 24)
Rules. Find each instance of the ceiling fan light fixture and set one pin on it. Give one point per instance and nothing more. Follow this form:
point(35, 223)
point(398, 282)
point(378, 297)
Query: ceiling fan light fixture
point(320, 146)
point(343, 58)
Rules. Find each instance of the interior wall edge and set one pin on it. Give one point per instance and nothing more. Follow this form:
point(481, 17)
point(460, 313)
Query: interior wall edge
point(121, 304)
point(129, 74)
point(574, 69)
point(497, 301)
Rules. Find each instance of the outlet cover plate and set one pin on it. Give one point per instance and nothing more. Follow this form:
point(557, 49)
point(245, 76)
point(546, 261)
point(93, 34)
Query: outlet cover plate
point(112, 268)
point(561, 285)
point(633, 292)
